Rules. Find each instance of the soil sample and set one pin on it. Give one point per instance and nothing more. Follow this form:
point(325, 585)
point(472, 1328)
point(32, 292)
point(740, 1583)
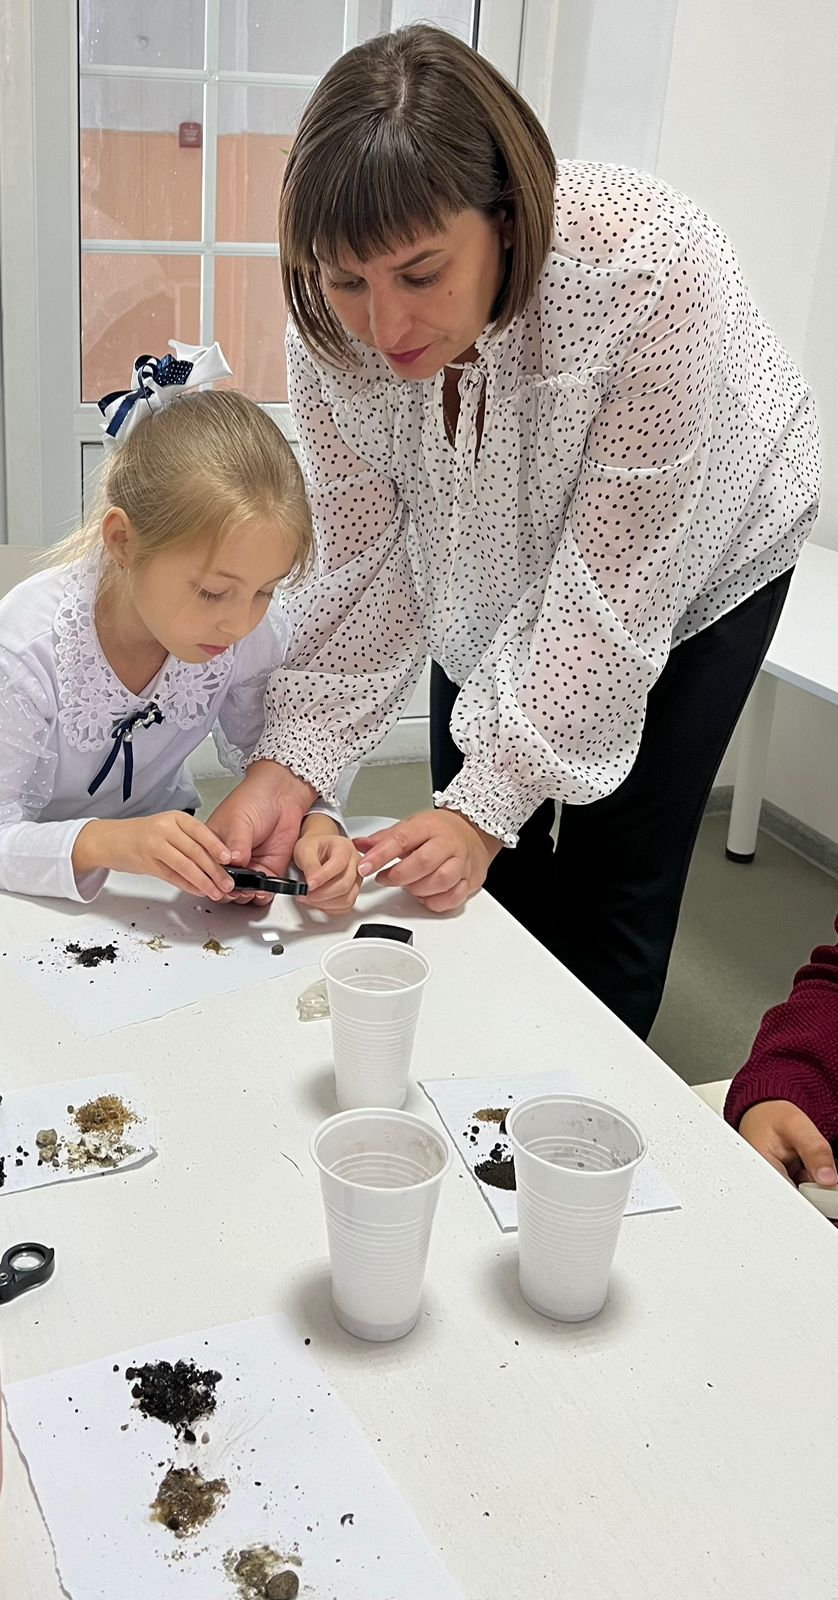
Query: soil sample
point(186, 1500)
point(216, 948)
point(101, 1124)
point(107, 1114)
point(498, 1170)
point(177, 1395)
point(261, 1573)
point(91, 955)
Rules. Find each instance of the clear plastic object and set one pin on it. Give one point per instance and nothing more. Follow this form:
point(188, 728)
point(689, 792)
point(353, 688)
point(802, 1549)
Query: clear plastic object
point(313, 1003)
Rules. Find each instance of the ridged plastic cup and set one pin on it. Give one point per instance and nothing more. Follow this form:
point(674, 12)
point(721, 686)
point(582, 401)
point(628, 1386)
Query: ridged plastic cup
point(375, 991)
point(575, 1159)
point(380, 1177)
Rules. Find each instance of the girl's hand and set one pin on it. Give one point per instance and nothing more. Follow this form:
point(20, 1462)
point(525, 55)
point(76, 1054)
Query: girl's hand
point(260, 821)
point(329, 863)
point(171, 845)
point(443, 858)
point(786, 1137)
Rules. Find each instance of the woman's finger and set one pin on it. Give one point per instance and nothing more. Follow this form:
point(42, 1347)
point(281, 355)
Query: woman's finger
point(392, 844)
point(451, 900)
point(439, 882)
point(427, 858)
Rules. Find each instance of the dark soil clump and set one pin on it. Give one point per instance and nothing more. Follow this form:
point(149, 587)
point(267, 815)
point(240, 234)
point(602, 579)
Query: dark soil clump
point(498, 1170)
point(91, 955)
point(177, 1395)
point(186, 1500)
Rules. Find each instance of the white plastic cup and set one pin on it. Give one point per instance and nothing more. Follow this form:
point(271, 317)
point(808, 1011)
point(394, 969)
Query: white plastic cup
point(575, 1159)
point(380, 1176)
point(375, 990)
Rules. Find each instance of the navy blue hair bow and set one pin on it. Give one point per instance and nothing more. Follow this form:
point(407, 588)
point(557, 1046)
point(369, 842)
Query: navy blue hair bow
point(122, 734)
point(152, 374)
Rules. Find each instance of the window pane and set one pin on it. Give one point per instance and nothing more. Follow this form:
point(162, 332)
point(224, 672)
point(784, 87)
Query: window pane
point(133, 304)
point(256, 126)
point(143, 33)
point(453, 15)
point(250, 324)
point(299, 36)
point(137, 181)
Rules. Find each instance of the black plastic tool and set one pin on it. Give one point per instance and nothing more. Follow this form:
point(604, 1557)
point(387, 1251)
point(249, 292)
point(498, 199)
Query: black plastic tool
point(248, 878)
point(384, 930)
point(23, 1267)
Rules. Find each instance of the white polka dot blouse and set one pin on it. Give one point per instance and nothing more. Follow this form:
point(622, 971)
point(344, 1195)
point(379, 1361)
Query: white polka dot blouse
point(649, 458)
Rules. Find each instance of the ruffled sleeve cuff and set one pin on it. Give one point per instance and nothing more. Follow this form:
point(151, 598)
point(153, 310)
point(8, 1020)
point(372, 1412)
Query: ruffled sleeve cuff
point(491, 799)
point(310, 750)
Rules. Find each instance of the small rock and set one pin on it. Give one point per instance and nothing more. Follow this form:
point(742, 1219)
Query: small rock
point(277, 949)
point(284, 1586)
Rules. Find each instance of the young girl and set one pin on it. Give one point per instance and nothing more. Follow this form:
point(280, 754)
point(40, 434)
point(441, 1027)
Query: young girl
point(154, 628)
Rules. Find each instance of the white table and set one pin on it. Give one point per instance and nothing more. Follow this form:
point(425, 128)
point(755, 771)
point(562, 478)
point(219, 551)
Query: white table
point(803, 652)
point(678, 1447)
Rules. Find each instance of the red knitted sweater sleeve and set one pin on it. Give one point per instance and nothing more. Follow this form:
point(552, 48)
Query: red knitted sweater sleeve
point(795, 1053)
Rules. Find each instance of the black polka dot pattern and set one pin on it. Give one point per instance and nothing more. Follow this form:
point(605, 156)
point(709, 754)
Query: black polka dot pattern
point(649, 458)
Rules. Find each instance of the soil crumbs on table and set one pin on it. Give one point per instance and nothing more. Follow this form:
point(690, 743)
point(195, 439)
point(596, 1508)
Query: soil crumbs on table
point(91, 955)
point(186, 1500)
point(177, 1395)
point(216, 948)
point(101, 1124)
point(262, 1572)
point(498, 1170)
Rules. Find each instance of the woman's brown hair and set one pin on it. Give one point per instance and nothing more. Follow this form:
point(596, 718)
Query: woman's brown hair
point(401, 134)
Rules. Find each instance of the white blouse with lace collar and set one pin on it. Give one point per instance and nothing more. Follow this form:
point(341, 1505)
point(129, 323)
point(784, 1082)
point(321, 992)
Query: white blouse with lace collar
point(59, 702)
point(649, 458)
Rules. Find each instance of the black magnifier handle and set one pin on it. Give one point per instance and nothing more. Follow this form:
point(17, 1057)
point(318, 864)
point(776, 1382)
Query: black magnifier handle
point(23, 1267)
point(247, 878)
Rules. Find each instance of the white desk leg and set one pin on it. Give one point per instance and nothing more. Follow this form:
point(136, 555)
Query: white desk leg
point(754, 736)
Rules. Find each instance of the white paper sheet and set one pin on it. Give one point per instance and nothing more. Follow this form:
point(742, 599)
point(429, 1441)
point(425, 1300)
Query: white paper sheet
point(294, 1460)
point(146, 982)
point(457, 1099)
point(24, 1112)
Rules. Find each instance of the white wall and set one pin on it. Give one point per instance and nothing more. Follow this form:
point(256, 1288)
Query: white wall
point(750, 130)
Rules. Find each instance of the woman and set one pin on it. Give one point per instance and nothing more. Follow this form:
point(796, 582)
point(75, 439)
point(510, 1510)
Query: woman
point(550, 441)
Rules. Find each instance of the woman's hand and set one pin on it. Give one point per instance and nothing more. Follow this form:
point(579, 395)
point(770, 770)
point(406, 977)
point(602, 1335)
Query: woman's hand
point(329, 863)
point(786, 1137)
point(443, 858)
point(170, 845)
point(260, 821)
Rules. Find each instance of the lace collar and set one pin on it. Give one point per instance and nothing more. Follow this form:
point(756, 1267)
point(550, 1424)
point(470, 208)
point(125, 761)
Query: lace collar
point(91, 696)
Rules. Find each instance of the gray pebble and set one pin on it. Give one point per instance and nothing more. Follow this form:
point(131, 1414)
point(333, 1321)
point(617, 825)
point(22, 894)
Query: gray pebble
point(284, 1586)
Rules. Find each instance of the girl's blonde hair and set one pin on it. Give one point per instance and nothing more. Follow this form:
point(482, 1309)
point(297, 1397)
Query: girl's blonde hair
point(401, 134)
point(203, 464)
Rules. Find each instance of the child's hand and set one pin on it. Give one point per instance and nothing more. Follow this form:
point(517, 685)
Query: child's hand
point(329, 863)
point(171, 845)
point(786, 1137)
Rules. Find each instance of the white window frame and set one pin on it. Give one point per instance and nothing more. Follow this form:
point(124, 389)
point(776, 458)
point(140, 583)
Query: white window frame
point(46, 423)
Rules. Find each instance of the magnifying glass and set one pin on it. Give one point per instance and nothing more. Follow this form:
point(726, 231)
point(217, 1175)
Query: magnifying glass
point(248, 878)
point(23, 1267)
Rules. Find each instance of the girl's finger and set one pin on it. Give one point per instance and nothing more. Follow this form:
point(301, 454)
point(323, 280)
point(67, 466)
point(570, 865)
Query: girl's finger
point(177, 861)
point(191, 850)
point(203, 835)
